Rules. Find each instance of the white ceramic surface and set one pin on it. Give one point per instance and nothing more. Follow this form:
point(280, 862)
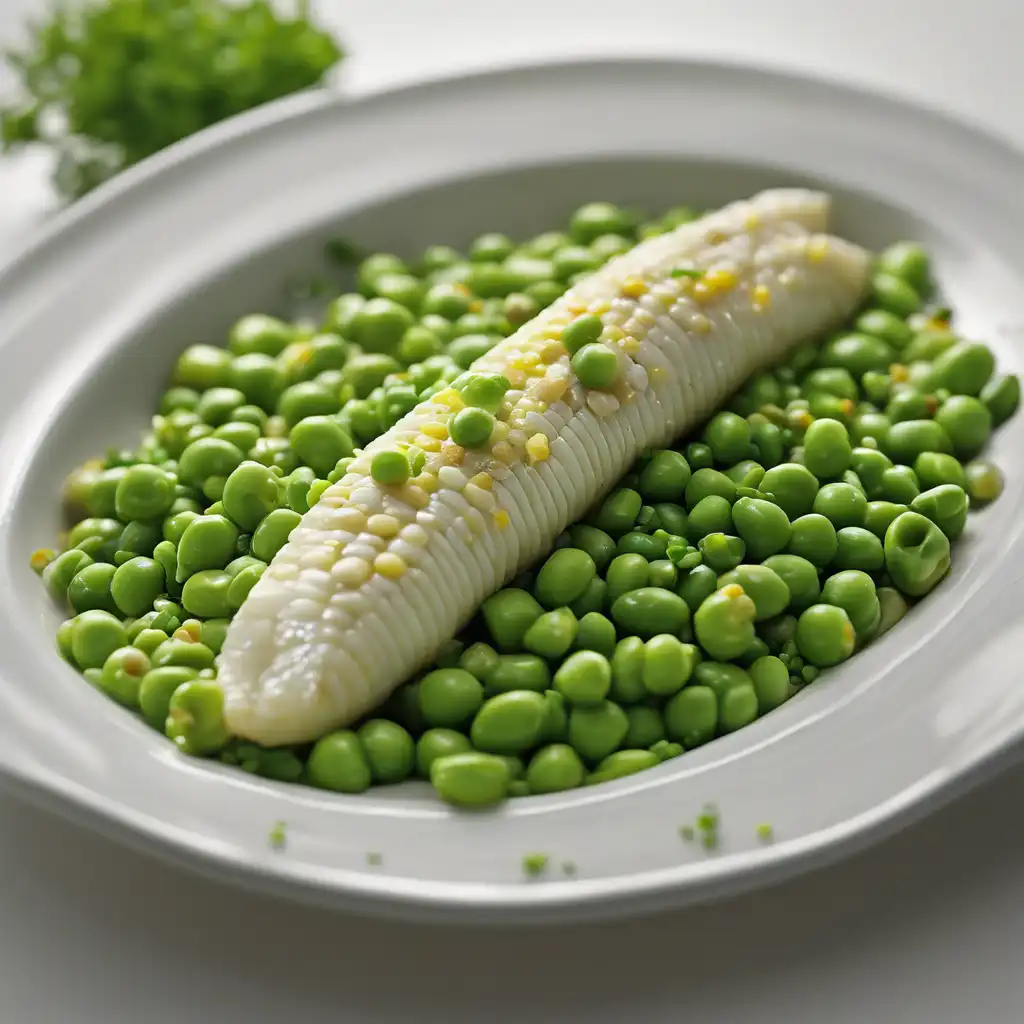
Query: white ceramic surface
point(176, 248)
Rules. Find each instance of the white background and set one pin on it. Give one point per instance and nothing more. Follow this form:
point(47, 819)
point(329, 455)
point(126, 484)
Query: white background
point(926, 928)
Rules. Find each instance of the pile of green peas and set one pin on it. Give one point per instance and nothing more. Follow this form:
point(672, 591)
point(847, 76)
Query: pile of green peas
point(711, 585)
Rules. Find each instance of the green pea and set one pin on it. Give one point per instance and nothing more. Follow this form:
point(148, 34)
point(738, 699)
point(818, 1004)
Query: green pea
point(552, 634)
point(143, 492)
point(858, 548)
point(763, 526)
point(909, 261)
point(449, 697)
point(645, 727)
point(799, 575)
point(699, 456)
point(899, 485)
point(764, 587)
point(1001, 396)
point(916, 553)
point(841, 504)
point(136, 584)
point(208, 457)
point(885, 325)
point(90, 588)
point(209, 542)
point(596, 543)
point(792, 487)
point(832, 380)
point(870, 465)
point(202, 367)
point(147, 641)
point(813, 537)
point(737, 708)
point(935, 468)
point(508, 614)
point(854, 592)
point(708, 482)
point(873, 425)
point(618, 512)
point(156, 689)
point(195, 718)
point(95, 635)
point(213, 633)
point(946, 506)
point(622, 763)
point(591, 600)
point(667, 665)
point(205, 594)
point(509, 722)
point(664, 477)
point(880, 514)
point(259, 333)
point(728, 436)
point(122, 674)
point(984, 483)
point(964, 369)
point(320, 442)
point(595, 732)
point(182, 653)
point(648, 611)
point(470, 780)
point(858, 354)
point(893, 607)
point(827, 450)
point(273, 532)
point(596, 633)
point(691, 716)
point(338, 762)
point(771, 682)
point(662, 573)
point(57, 576)
point(102, 494)
point(592, 220)
point(564, 577)
point(650, 547)
point(363, 373)
point(389, 749)
point(699, 582)
point(824, 635)
point(724, 622)
point(967, 422)
point(712, 514)
point(584, 678)
point(437, 743)
point(894, 294)
point(627, 662)
point(626, 573)
point(909, 438)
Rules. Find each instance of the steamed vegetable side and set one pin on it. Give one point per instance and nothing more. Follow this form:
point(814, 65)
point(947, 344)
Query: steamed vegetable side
point(710, 584)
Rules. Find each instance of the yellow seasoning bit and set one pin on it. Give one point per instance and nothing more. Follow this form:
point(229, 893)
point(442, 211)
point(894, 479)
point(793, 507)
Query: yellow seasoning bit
point(452, 453)
point(415, 496)
point(538, 448)
point(504, 452)
point(482, 480)
point(351, 571)
point(426, 482)
point(501, 518)
point(817, 249)
point(899, 373)
point(390, 566)
point(550, 389)
point(762, 298)
point(382, 525)
point(41, 559)
point(847, 406)
point(427, 443)
point(449, 397)
point(732, 590)
point(475, 306)
point(185, 635)
point(634, 287)
point(438, 430)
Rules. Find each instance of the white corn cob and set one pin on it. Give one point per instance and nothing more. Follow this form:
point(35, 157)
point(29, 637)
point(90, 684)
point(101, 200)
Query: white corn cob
point(376, 578)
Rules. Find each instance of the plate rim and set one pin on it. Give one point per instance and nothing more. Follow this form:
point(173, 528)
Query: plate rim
point(399, 896)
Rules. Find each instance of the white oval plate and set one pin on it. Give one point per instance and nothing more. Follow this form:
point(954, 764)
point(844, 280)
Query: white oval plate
point(95, 312)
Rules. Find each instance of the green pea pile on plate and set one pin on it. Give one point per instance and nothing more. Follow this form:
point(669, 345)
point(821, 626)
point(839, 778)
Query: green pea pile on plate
point(712, 584)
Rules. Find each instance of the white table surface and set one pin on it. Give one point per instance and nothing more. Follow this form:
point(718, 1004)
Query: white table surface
point(926, 928)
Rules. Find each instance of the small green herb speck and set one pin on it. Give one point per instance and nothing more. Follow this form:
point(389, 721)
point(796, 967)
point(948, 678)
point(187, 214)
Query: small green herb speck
point(765, 833)
point(374, 859)
point(687, 272)
point(569, 868)
point(686, 832)
point(278, 838)
point(535, 864)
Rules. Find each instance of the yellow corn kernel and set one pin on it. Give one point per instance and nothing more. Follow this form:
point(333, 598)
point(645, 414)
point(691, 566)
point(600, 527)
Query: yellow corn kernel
point(551, 350)
point(515, 377)
point(732, 590)
point(478, 497)
point(552, 331)
point(752, 221)
point(351, 571)
point(382, 525)
point(699, 323)
point(501, 518)
point(537, 448)
point(500, 431)
point(475, 306)
point(817, 249)
point(715, 236)
point(504, 452)
point(452, 453)
point(425, 482)
point(449, 397)
point(762, 298)
point(438, 430)
point(482, 480)
point(576, 307)
point(610, 335)
point(427, 443)
point(389, 565)
point(634, 287)
point(599, 307)
point(550, 389)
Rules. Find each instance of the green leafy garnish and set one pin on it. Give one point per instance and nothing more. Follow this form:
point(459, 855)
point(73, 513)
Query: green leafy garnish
point(765, 833)
point(278, 838)
point(686, 272)
point(106, 83)
point(535, 864)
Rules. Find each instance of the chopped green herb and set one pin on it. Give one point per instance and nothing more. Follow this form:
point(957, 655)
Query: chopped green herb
point(569, 868)
point(374, 859)
point(707, 825)
point(278, 838)
point(765, 833)
point(686, 832)
point(687, 272)
point(535, 864)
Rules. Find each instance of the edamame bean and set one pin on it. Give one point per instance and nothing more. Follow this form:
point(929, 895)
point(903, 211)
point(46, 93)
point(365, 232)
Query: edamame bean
point(667, 665)
point(555, 769)
point(724, 622)
point(645, 727)
point(552, 634)
point(763, 526)
point(389, 749)
point(449, 697)
point(626, 573)
point(824, 635)
point(793, 488)
point(338, 762)
point(799, 575)
point(596, 633)
point(858, 548)
point(946, 506)
point(584, 678)
point(470, 780)
point(691, 716)
point(664, 477)
point(984, 483)
point(763, 586)
point(509, 722)
point(854, 592)
point(621, 764)
point(650, 610)
point(771, 682)
point(813, 537)
point(508, 614)
point(597, 731)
